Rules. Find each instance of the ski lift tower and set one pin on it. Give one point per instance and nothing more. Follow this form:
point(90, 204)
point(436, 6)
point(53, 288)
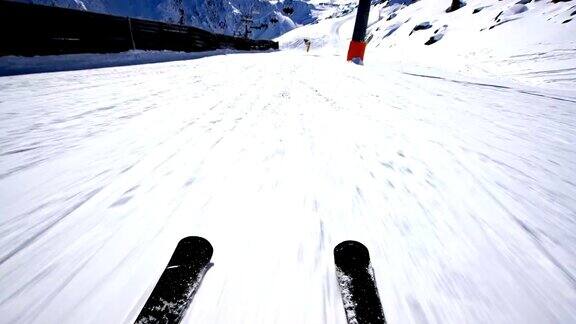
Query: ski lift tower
point(247, 20)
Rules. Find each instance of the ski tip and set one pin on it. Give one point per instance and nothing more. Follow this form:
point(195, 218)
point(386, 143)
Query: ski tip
point(351, 254)
point(178, 283)
point(192, 249)
point(195, 240)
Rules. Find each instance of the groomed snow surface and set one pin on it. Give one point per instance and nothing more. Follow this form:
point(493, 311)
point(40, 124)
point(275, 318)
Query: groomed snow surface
point(459, 178)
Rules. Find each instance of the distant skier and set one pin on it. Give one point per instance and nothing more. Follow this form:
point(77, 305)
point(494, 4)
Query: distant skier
point(307, 43)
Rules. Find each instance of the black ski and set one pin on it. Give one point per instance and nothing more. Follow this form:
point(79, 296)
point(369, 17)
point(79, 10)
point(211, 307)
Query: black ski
point(357, 284)
point(178, 283)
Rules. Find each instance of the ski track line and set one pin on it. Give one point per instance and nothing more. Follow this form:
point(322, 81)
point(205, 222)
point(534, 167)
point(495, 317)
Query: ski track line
point(495, 86)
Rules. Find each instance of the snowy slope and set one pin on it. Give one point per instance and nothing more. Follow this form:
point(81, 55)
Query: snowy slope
point(266, 19)
point(533, 42)
point(453, 162)
point(464, 192)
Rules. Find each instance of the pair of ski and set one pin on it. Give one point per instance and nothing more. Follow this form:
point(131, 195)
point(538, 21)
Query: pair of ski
point(191, 259)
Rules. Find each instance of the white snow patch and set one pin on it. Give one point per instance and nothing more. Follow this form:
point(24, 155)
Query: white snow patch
point(454, 162)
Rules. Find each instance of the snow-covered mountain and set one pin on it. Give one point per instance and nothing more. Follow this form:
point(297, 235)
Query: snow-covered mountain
point(528, 40)
point(258, 19)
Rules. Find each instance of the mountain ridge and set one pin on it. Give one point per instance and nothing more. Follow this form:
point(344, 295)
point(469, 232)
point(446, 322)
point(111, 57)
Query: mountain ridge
point(256, 19)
